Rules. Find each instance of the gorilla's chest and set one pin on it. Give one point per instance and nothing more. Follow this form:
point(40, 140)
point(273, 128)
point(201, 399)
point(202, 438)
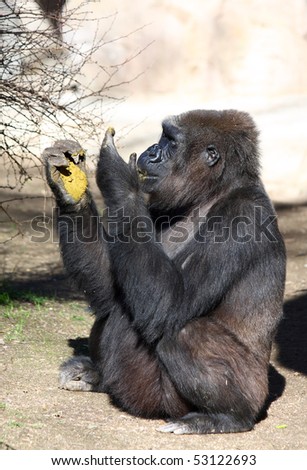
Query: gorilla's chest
point(178, 235)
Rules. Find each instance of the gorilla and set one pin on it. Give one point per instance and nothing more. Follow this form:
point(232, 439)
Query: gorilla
point(184, 269)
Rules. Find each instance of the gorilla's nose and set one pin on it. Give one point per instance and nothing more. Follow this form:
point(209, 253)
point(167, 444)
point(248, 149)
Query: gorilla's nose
point(155, 154)
point(148, 158)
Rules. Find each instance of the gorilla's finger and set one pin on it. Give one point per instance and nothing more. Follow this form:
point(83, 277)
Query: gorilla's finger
point(132, 162)
point(55, 157)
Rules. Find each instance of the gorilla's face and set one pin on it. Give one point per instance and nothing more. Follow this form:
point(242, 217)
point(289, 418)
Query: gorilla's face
point(183, 166)
point(159, 161)
point(200, 154)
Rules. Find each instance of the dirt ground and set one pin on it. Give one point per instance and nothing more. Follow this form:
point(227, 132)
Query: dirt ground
point(40, 330)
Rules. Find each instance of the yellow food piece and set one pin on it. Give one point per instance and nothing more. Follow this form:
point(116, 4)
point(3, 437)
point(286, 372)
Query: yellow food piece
point(74, 181)
point(80, 153)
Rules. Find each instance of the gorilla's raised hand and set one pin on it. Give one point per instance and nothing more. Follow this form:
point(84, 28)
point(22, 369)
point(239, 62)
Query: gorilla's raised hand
point(117, 180)
point(64, 166)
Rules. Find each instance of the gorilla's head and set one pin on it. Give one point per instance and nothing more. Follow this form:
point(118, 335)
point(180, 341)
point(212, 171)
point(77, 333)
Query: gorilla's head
point(199, 154)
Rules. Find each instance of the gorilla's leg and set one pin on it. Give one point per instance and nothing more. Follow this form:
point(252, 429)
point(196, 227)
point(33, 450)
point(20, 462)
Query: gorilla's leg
point(225, 381)
point(130, 372)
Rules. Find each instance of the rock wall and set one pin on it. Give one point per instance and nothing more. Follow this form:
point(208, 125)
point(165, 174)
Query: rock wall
point(211, 48)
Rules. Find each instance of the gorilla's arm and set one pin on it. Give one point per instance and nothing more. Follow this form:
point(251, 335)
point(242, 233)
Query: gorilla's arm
point(83, 249)
point(85, 255)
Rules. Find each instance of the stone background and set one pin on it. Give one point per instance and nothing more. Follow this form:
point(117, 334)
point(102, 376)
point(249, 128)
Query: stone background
point(172, 55)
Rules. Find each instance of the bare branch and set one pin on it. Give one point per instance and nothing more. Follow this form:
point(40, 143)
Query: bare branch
point(45, 90)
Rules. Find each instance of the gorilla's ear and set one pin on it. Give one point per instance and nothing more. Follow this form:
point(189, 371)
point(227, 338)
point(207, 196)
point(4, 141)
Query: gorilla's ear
point(211, 155)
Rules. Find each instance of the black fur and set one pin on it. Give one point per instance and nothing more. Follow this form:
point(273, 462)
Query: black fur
point(187, 282)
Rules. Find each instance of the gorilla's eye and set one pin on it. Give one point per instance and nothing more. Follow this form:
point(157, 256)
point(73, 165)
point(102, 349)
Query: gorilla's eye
point(168, 139)
point(211, 155)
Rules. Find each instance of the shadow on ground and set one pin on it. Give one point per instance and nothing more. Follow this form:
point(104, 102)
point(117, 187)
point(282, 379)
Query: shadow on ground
point(56, 287)
point(291, 337)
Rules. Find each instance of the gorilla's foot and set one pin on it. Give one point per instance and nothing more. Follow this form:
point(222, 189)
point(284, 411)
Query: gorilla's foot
point(65, 170)
point(200, 423)
point(79, 374)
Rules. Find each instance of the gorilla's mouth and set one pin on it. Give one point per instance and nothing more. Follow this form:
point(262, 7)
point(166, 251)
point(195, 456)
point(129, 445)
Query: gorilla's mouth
point(144, 176)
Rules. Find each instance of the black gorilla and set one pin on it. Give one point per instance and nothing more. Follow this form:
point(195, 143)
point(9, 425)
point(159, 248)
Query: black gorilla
point(185, 271)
